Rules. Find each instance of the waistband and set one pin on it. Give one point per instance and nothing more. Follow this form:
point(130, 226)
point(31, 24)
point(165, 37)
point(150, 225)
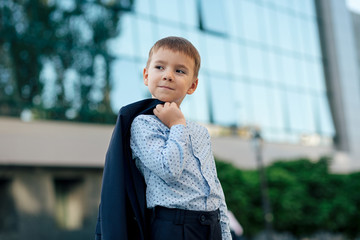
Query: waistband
point(181, 216)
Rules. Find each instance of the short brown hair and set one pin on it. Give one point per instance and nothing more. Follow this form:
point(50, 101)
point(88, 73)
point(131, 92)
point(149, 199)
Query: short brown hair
point(177, 44)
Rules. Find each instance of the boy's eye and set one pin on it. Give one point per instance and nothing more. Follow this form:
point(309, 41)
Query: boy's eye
point(180, 71)
point(159, 67)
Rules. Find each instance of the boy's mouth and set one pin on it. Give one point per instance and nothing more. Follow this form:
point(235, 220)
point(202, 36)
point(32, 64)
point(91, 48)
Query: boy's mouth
point(166, 87)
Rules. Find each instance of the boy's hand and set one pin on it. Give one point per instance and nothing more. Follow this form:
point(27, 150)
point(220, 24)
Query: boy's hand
point(169, 114)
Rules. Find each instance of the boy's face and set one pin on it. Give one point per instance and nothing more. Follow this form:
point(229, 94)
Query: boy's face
point(170, 76)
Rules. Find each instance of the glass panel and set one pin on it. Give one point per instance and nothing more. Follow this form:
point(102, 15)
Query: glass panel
point(168, 30)
point(127, 84)
point(301, 27)
point(276, 100)
point(124, 43)
point(167, 10)
point(313, 37)
point(307, 7)
point(238, 59)
point(315, 76)
point(307, 67)
point(271, 26)
point(189, 13)
point(290, 71)
point(310, 120)
point(142, 7)
point(318, 74)
point(146, 37)
point(196, 106)
point(195, 38)
point(311, 41)
point(297, 41)
point(241, 103)
point(231, 13)
point(260, 105)
point(255, 62)
point(222, 101)
point(238, 18)
point(250, 17)
point(300, 111)
point(326, 123)
point(216, 54)
point(273, 66)
point(285, 23)
point(213, 16)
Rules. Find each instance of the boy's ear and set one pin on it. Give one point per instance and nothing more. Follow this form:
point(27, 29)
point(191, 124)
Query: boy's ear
point(193, 86)
point(145, 76)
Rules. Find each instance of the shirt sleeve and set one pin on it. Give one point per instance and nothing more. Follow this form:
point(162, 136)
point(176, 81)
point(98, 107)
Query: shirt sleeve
point(161, 152)
point(224, 219)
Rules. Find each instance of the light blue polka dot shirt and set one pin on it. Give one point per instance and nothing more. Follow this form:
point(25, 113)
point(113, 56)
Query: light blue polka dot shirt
point(178, 167)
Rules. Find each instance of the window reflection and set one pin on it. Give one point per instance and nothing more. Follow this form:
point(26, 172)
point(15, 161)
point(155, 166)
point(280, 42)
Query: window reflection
point(123, 44)
point(142, 7)
point(189, 13)
point(285, 31)
point(242, 107)
point(261, 62)
point(255, 62)
point(127, 84)
point(166, 10)
point(231, 11)
point(301, 114)
point(251, 20)
point(271, 26)
point(196, 106)
point(260, 106)
point(217, 61)
point(326, 124)
point(145, 36)
point(273, 62)
point(222, 100)
point(277, 100)
point(237, 59)
point(307, 7)
point(212, 16)
point(166, 30)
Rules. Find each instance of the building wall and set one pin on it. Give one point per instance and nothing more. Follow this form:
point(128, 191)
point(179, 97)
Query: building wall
point(261, 63)
point(341, 68)
point(35, 202)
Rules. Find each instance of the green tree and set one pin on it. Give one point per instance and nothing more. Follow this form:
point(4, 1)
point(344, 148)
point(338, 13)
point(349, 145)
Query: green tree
point(305, 197)
point(54, 58)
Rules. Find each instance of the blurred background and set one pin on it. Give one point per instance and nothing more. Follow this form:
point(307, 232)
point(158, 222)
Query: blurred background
point(279, 91)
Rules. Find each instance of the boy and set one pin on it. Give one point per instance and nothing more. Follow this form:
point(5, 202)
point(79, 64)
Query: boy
point(174, 155)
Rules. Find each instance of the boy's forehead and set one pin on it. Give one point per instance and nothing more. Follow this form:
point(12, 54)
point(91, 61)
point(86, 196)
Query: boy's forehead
point(165, 49)
point(158, 53)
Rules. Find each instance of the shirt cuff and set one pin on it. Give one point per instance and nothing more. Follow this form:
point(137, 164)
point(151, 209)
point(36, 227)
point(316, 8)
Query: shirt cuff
point(179, 132)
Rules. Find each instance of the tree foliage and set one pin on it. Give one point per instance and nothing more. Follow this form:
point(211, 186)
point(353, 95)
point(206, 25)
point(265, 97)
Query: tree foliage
point(305, 197)
point(54, 58)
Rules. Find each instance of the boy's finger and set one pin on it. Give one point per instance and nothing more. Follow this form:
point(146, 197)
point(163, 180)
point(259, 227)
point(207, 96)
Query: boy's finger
point(155, 111)
point(159, 106)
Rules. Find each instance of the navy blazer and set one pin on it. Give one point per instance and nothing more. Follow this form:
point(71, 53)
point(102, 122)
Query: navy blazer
point(122, 210)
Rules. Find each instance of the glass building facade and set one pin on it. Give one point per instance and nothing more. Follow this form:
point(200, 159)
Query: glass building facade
point(262, 63)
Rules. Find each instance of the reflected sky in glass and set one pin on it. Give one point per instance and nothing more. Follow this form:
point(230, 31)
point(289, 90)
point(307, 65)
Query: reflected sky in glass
point(261, 62)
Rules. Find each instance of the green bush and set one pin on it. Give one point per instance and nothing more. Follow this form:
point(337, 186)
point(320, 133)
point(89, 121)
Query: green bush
point(304, 196)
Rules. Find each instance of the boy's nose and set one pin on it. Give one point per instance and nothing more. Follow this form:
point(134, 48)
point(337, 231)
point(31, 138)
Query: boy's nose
point(168, 76)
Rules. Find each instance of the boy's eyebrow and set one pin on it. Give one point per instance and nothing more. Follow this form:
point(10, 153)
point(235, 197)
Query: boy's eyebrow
point(160, 61)
point(177, 65)
point(182, 66)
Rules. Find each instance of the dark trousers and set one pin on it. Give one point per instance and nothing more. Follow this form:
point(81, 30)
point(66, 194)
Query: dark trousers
point(178, 224)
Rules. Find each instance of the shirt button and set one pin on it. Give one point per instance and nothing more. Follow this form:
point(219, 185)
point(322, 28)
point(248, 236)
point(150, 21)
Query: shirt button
point(202, 218)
